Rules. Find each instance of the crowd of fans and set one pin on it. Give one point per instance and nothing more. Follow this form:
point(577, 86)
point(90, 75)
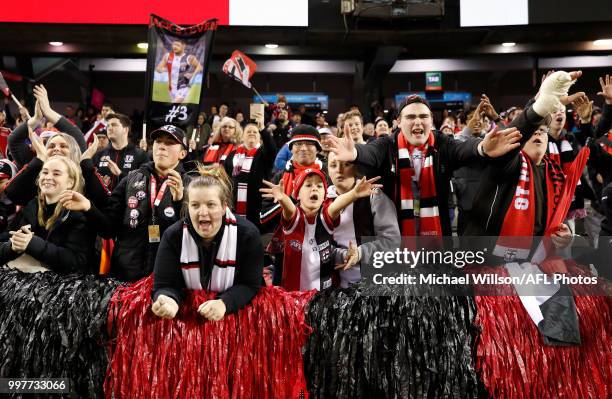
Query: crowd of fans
point(212, 205)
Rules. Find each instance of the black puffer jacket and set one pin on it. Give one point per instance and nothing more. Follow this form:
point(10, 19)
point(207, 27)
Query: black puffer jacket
point(66, 248)
point(126, 218)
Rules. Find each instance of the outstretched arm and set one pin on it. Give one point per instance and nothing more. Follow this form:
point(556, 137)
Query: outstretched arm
point(277, 193)
point(363, 188)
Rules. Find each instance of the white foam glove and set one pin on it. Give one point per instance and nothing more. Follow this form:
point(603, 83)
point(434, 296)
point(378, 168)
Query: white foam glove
point(553, 88)
point(165, 307)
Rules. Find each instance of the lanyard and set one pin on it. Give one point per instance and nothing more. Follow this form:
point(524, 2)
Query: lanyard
point(155, 196)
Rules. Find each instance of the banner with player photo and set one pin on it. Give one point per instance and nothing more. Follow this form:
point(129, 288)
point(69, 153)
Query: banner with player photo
point(177, 63)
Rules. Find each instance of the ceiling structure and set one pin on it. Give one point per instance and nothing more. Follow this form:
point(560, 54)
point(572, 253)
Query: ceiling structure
point(327, 37)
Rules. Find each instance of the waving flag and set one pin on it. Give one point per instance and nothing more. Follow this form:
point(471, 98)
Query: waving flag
point(240, 67)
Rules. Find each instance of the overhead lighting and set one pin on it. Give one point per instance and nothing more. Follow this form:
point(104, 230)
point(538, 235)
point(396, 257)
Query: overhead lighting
point(271, 45)
point(509, 44)
point(603, 42)
point(56, 44)
point(143, 46)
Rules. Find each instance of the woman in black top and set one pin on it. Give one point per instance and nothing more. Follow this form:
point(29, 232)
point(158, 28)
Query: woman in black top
point(210, 249)
point(55, 237)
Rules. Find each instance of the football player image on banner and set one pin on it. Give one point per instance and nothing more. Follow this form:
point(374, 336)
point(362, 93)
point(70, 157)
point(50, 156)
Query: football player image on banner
point(177, 63)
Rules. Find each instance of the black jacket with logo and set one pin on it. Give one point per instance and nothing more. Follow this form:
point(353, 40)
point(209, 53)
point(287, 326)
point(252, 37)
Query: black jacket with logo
point(128, 159)
point(126, 218)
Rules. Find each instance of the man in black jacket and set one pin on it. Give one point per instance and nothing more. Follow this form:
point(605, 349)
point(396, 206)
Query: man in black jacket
point(498, 184)
point(120, 157)
point(427, 151)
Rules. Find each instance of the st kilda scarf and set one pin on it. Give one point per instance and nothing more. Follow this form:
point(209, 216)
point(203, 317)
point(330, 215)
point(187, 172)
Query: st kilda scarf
point(242, 163)
point(516, 235)
point(557, 154)
point(429, 215)
point(217, 152)
point(222, 277)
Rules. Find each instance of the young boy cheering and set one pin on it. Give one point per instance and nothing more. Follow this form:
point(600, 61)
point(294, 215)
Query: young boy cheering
point(308, 227)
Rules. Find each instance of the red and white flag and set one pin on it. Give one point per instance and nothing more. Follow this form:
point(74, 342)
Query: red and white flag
point(240, 67)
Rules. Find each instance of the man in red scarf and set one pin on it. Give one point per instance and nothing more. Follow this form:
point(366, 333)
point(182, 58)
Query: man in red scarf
point(519, 190)
point(417, 163)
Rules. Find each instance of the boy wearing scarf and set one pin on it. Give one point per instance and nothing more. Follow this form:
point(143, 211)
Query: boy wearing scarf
point(308, 229)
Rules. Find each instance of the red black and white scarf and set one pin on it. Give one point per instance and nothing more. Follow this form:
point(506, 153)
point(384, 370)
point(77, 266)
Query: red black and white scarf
point(557, 154)
point(242, 163)
point(429, 214)
point(516, 236)
point(218, 152)
point(224, 268)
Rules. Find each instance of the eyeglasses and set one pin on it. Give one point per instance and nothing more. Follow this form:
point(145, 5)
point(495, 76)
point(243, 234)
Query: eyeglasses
point(303, 144)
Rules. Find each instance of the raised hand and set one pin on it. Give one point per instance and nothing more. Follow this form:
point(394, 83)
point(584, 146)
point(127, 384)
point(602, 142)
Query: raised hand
point(363, 187)
point(584, 108)
point(606, 88)
point(553, 94)
point(274, 191)
point(92, 149)
point(165, 307)
point(475, 121)
point(500, 142)
point(487, 108)
point(344, 148)
point(175, 183)
point(41, 95)
point(36, 120)
point(74, 201)
point(37, 145)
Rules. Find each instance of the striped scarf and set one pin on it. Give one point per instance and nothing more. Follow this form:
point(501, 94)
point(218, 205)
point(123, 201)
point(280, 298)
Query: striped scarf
point(516, 235)
point(224, 267)
point(216, 153)
point(427, 208)
point(242, 162)
point(561, 153)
